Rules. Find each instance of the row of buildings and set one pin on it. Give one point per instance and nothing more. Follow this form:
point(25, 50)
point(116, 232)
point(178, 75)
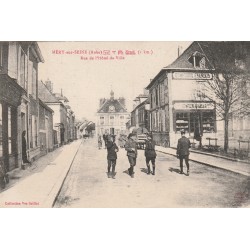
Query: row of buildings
point(176, 98)
point(27, 104)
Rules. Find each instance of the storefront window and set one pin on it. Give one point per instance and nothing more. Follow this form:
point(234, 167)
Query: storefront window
point(182, 122)
point(1, 131)
point(208, 122)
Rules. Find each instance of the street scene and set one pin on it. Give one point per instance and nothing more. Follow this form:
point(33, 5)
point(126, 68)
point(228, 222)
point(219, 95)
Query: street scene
point(125, 124)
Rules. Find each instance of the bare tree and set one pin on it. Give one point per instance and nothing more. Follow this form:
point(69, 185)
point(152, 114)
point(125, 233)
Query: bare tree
point(228, 90)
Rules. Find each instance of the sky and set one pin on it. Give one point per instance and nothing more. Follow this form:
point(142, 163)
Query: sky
point(84, 81)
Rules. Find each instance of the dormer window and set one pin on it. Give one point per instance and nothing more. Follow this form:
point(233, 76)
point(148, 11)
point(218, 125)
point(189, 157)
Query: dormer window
point(198, 60)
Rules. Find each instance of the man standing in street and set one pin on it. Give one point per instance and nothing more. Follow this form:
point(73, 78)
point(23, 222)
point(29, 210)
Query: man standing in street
point(183, 151)
point(105, 139)
point(131, 148)
point(150, 153)
point(112, 155)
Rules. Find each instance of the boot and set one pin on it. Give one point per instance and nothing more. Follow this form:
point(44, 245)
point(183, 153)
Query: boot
point(187, 171)
point(148, 169)
point(181, 170)
point(153, 173)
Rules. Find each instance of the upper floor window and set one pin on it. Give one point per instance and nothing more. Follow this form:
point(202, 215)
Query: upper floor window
point(102, 120)
point(34, 82)
point(198, 60)
point(22, 70)
point(1, 55)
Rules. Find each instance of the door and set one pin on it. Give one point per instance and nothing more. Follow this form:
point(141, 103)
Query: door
point(112, 131)
point(47, 134)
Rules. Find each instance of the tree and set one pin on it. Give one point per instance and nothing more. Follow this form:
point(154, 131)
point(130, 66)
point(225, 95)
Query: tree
point(228, 88)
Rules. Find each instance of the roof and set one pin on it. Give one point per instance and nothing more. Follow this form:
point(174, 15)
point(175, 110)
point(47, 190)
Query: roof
point(45, 106)
point(141, 104)
point(118, 107)
point(60, 97)
point(45, 95)
point(218, 56)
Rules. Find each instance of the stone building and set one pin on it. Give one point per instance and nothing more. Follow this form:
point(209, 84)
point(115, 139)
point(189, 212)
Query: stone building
point(178, 97)
point(112, 116)
point(19, 104)
point(45, 128)
point(56, 102)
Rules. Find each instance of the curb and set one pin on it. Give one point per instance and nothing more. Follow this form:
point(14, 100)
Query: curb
point(207, 164)
point(217, 156)
point(51, 199)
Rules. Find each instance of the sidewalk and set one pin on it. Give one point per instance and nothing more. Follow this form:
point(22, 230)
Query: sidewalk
point(40, 189)
point(212, 161)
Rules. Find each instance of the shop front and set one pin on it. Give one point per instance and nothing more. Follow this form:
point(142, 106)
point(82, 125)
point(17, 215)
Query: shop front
point(196, 118)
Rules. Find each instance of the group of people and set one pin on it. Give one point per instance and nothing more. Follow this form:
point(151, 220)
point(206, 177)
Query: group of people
point(150, 153)
point(130, 145)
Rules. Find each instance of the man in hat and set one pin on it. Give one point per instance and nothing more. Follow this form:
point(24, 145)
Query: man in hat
point(112, 150)
point(131, 148)
point(183, 151)
point(150, 153)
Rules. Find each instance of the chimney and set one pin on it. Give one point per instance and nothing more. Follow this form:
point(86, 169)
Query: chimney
point(49, 85)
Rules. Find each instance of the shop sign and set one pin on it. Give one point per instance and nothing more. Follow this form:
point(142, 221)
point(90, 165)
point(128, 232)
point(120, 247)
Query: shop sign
point(193, 105)
point(192, 75)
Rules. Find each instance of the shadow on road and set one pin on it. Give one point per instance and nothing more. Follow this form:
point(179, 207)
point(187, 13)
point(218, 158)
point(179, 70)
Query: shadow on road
point(144, 170)
point(176, 170)
point(126, 172)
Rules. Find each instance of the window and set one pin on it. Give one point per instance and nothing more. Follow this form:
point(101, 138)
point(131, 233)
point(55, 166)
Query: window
point(182, 122)
point(208, 122)
point(122, 120)
point(22, 70)
point(31, 131)
point(102, 120)
point(198, 60)
point(111, 120)
point(1, 55)
point(34, 82)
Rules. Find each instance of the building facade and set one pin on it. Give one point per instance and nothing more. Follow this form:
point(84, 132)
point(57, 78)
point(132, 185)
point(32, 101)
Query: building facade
point(140, 113)
point(179, 98)
point(19, 104)
point(177, 101)
point(45, 128)
point(56, 102)
point(112, 116)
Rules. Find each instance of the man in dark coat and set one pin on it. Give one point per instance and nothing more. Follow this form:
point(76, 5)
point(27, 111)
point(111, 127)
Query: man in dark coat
point(24, 148)
point(183, 151)
point(112, 150)
point(150, 153)
point(105, 139)
point(131, 148)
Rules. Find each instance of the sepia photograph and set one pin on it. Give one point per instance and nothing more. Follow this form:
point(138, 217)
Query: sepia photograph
point(129, 124)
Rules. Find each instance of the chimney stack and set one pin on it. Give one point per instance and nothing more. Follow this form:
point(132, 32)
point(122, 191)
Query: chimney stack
point(49, 85)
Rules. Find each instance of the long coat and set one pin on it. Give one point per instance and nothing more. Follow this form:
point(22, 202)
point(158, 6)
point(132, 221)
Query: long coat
point(150, 149)
point(131, 148)
point(183, 146)
point(112, 148)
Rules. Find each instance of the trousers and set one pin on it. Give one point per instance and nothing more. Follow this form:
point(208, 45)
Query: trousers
point(111, 163)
